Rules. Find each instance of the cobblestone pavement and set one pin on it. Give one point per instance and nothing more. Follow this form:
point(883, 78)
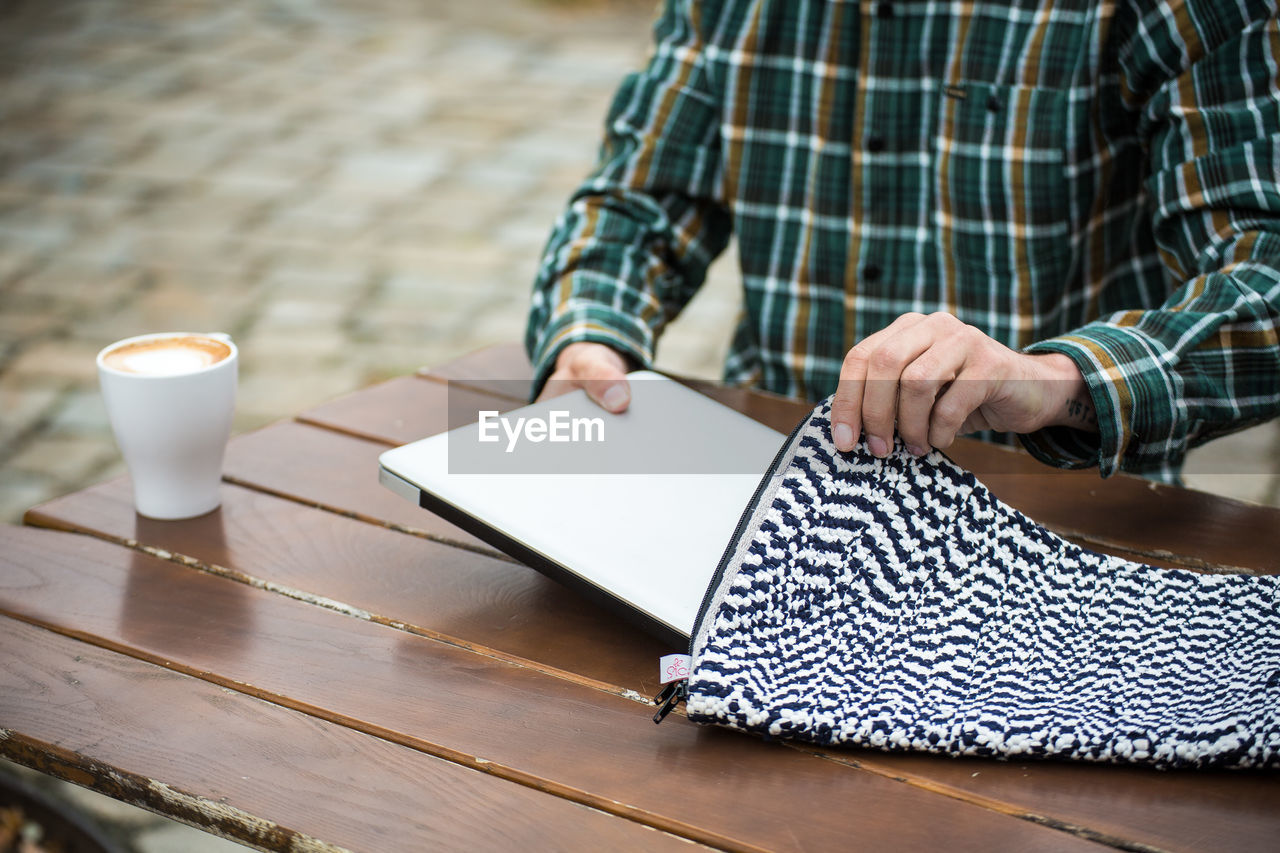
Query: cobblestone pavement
point(351, 188)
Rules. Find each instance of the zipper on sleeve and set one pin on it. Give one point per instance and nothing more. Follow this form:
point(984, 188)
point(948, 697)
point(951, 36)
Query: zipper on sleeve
point(678, 690)
point(673, 694)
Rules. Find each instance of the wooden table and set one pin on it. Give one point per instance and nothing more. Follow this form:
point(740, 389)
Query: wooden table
point(321, 663)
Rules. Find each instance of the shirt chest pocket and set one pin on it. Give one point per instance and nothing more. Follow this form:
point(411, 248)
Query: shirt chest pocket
point(1001, 204)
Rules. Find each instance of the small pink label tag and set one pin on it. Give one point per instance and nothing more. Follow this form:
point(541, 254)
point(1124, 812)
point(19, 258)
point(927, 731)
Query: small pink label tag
point(674, 667)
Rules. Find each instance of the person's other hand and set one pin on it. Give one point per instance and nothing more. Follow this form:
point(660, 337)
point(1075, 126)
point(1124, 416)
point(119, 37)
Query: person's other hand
point(599, 370)
point(937, 378)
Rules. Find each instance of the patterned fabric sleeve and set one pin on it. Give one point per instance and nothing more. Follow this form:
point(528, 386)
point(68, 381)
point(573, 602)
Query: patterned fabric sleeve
point(635, 242)
point(1206, 79)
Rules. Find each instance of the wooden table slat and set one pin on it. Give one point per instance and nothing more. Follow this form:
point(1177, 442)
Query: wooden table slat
point(1153, 522)
point(426, 586)
point(503, 369)
point(583, 744)
point(403, 410)
point(336, 471)
point(1192, 810)
point(250, 770)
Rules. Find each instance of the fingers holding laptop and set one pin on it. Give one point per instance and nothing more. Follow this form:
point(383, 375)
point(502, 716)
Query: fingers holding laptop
point(599, 370)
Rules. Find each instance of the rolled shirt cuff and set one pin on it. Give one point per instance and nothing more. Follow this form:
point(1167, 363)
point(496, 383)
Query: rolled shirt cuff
point(1134, 398)
point(591, 322)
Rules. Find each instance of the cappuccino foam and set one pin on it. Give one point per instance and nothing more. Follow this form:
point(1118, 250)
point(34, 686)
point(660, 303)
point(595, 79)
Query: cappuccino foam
point(167, 356)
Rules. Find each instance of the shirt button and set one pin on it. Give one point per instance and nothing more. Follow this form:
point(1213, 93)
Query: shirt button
point(993, 104)
point(885, 10)
point(875, 143)
point(871, 272)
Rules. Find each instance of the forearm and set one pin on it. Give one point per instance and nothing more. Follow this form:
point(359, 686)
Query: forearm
point(618, 267)
point(639, 234)
point(1068, 402)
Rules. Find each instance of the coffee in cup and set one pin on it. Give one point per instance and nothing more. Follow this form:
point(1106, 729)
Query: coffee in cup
point(167, 355)
point(170, 398)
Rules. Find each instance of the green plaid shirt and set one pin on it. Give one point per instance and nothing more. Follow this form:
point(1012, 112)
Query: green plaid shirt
point(1099, 178)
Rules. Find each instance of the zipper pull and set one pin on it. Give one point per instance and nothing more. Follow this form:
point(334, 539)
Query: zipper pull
point(673, 694)
point(674, 672)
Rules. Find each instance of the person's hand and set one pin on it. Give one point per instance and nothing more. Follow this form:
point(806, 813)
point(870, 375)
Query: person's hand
point(599, 370)
point(938, 378)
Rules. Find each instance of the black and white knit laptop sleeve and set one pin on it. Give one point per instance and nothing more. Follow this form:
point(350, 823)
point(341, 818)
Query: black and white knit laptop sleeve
point(897, 604)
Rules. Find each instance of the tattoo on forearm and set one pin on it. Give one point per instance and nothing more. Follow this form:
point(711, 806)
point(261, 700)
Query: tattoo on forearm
point(1080, 413)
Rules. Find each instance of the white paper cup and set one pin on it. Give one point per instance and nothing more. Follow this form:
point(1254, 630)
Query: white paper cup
point(172, 426)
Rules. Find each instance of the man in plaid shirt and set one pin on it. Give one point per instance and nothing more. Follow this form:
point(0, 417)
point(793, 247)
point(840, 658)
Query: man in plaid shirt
point(1056, 218)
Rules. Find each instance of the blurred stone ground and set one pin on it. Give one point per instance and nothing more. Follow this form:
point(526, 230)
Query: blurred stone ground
point(351, 188)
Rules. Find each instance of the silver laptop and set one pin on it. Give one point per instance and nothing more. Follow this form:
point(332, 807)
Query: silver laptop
point(632, 510)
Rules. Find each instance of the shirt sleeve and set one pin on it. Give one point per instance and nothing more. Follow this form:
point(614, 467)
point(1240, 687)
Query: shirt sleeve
point(635, 242)
point(1205, 76)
